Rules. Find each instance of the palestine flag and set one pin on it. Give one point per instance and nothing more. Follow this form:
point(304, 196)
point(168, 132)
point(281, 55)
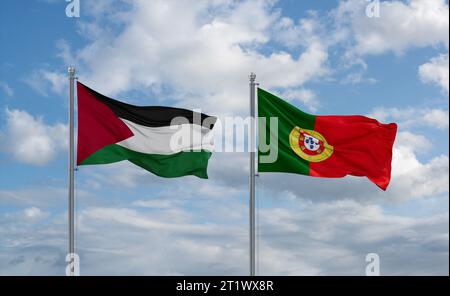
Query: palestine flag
point(110, 131)
point(326, 146)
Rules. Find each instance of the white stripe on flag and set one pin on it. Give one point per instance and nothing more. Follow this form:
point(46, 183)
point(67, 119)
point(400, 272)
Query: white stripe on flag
point(168, 139)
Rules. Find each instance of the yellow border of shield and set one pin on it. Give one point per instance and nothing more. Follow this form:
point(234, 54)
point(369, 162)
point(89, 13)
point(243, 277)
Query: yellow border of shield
point(293, 141)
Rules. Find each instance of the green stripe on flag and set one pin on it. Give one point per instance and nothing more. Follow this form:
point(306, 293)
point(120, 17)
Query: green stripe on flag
point(168, 166)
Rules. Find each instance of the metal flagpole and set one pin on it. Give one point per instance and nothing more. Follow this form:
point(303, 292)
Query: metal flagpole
point(71, 72)
point(252, 175)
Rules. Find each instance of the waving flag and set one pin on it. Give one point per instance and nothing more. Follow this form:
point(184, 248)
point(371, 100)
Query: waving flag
point(110, 131)
point(327, 146)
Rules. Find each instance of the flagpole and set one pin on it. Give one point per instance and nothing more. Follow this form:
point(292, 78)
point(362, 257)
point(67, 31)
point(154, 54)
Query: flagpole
point(71, 201)
point(252, 175)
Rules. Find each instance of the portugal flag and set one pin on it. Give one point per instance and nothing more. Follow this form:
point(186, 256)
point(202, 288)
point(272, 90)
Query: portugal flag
point(110, 131)
point(326, 146)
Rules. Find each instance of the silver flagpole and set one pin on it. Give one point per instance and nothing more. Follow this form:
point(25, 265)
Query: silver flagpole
point(71, 72)
point(252, 175)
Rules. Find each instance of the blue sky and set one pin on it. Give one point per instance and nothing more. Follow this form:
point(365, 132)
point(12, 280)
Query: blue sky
point(325, 57)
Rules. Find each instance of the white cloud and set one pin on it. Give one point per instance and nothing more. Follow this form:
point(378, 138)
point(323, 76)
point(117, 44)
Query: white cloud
point(413, 116)
point(205, 55)
point(4, 86)
point(30, 140)
point(401, 25)
point(295, 237)
point(358, 77)
point(437, 118)
point(413, 179)
point(34, 214)
point(414, 142)
point(308, 30)
point(436, 72)
point(44, 81)
point(334, 237)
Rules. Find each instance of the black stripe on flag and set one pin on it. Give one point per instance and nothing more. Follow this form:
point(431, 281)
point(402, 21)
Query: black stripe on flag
point(151, 116)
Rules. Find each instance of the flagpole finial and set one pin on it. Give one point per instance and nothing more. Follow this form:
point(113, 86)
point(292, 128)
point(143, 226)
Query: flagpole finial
point(252, 77)
point(71, 71)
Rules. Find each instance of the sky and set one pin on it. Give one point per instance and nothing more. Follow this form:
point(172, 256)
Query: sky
point(324, 57)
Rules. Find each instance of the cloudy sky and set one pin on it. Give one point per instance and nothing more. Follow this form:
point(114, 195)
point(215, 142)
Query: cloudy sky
point(325, 57)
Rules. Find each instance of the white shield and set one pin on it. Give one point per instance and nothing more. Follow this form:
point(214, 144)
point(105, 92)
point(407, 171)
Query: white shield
point(311, 143)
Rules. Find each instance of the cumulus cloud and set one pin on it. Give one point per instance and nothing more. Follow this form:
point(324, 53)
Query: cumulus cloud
point(412, 178)
point(30, 140)
point(436, 72)
point(401, 25)
point(205, 55)
point(305, 31)
point(413, 117)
